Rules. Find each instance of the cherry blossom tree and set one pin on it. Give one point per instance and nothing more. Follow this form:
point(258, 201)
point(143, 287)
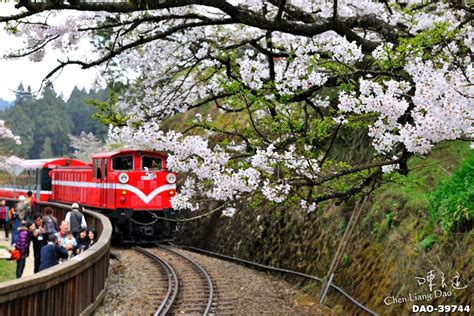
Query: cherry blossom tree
point(6, 162)
point(6, 133)
point(86, 145)
point(294, 101)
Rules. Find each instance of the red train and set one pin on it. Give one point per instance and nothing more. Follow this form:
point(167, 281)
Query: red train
point(132, 187)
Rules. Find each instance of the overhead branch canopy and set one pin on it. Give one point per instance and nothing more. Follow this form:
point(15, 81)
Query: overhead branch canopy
point(297, 101)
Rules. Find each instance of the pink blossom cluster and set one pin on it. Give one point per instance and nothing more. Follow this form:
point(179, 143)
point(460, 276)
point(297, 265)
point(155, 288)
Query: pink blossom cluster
point(5, 132)
point(192, 155)
point(442, 107)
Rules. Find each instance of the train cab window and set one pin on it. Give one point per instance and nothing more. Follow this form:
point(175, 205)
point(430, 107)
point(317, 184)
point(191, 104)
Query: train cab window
point(122, 163)
point(152, 163)
point(105, 168)
point(97, 169)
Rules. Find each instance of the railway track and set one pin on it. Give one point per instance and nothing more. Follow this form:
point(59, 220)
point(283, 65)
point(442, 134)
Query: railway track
point(183, 286)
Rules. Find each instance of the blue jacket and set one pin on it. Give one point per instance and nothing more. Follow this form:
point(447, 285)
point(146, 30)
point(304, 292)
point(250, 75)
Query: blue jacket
point(50, 254)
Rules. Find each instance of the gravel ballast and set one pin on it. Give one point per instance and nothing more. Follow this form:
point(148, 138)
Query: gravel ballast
point(251, 292)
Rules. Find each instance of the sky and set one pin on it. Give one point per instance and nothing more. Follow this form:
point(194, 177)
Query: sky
point(30, 73)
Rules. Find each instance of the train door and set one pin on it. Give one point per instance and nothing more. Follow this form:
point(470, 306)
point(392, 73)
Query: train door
point(100, 178)
point(104, 191)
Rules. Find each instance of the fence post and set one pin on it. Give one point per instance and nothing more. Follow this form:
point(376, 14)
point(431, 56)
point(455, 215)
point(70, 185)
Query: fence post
point(341, 248)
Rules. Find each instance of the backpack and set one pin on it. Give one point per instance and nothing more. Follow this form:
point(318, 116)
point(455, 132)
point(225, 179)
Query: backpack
point(75, 221)
point(15, 255)
point(20, 210)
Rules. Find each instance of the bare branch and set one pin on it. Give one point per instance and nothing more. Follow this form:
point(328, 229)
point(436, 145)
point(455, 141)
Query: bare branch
point(238, 14)
point(17, 16)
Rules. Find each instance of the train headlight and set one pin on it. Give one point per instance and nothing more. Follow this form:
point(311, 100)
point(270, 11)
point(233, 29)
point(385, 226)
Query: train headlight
point(170, 178)
point(123, 178)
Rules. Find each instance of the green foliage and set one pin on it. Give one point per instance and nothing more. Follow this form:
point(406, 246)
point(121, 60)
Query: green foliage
point(7, 269)
point(424, 44)
point(51, 122)
point(451, 204)
point(322, 129)
point(427, 243)
point(409, 195)
point(413, 190)
point(82, 114)
point(46, 149)
point(389, 218)
point(44, 123)
point(345, 260)
point(107, 112)
point(425, 41)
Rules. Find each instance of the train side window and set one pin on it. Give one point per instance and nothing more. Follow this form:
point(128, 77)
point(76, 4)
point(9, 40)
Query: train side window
point(31, 179)
point(45, 179)
point(122, 163)
point(23, 179)
point(97, 169)
point(152, 163)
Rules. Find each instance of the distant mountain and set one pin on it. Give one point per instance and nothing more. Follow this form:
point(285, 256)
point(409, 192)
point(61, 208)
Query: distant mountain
point(4, 104)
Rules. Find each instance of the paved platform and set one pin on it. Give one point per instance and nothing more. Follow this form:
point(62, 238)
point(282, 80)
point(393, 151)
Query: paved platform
point(30, 260)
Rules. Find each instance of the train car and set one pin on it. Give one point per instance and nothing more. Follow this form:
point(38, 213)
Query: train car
point(32, 175)
point(132, 187)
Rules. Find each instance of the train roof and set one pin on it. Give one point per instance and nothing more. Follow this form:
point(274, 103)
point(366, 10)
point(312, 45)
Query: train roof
point(51, 163)
point(127, 151)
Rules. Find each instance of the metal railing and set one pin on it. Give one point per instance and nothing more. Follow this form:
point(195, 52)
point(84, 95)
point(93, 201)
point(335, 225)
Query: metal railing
point(275, 269)
point(75, 287)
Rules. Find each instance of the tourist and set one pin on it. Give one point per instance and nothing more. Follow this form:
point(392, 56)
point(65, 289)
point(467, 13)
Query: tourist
point(92, 234)
point(63, 230)
point(75, 220)
point(50, 222)
point(4, 220)
point(23, 245)
point(51, 253)
point(39, 238)
point(22, 209)
point(82, 242)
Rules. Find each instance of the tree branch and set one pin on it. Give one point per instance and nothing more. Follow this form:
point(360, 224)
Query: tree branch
point(238, 14)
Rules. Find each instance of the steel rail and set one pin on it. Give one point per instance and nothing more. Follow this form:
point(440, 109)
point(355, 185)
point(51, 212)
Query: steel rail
point(203, 272)
point(172, 292)
point(270, 268)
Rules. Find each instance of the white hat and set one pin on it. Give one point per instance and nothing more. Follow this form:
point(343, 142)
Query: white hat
point(75, 206)
point(21, 198)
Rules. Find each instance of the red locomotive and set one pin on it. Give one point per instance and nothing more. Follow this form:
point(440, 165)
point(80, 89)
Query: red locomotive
point(132, 187)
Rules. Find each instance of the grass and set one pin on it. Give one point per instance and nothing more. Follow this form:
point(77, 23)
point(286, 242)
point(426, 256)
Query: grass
point(7, 269)
point(405, 195)
point(425, 173)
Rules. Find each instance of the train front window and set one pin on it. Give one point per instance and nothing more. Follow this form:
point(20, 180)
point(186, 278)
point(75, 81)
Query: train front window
point(152, 163)
point(122, 163)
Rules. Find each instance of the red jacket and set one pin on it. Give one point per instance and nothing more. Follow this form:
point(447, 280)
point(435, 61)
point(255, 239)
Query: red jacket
point(4, 212)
